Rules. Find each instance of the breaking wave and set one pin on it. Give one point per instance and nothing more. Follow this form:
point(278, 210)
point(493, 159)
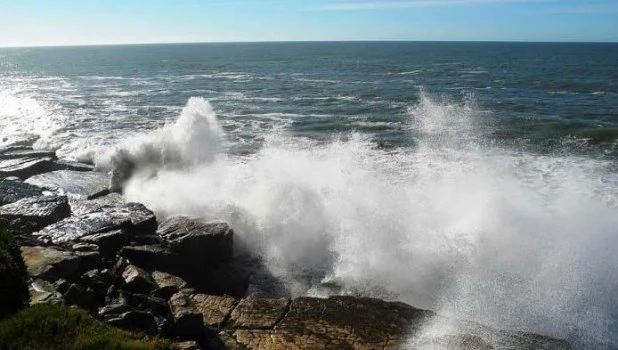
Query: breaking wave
point(474, 231)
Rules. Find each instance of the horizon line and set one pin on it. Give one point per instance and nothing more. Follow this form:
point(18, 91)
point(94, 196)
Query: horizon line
point(308, 41)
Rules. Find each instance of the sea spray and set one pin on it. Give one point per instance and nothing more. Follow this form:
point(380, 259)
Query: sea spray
point(193, 139)
point(510, 239)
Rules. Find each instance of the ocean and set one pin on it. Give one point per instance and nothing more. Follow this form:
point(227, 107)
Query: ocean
point(475, 179)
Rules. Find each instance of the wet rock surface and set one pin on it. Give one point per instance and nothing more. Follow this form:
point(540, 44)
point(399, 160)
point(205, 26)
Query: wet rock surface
point(75, 227)
point(26, 167)
point(87, 185)
point(201, 243)
point(14, 190)
point(34, 213)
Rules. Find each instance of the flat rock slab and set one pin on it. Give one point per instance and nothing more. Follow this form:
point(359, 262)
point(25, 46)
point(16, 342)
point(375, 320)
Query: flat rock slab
point(215, 309)
point(24, 168)
point(49, 263)
point(14, 190)
point(75, 227)
point(34, 213)
point(21, 152)
point(363, 323)
point(198, 242)
point(258, 313)
point(88, 206)
point(86, 185)
point(143, 220)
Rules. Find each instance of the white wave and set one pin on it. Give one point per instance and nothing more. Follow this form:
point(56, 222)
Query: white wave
point(193, 139)
point(20, 113)
point(510, 239)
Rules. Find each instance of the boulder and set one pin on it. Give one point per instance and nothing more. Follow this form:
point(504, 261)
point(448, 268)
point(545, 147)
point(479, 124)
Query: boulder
point(34, 213)
point(43, 292)
point(215, 309)
point(139, 321)
point(152, 257)
point(188, 320)
point(258, 313)
point(137, 280)
point(14, 190)
point(75, 227)
point(108, 243)
point(200, 244)
point(24, 168)
point(143, 220)
point(78, 296)
point(49, 263)
point(167, 284)
point(88, 260)
point(86, 185)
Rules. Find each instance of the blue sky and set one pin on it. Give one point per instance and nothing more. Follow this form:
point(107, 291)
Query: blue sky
point(73, 22)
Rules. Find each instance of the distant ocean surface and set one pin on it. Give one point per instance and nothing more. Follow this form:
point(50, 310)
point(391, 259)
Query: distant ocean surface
point(475, 179)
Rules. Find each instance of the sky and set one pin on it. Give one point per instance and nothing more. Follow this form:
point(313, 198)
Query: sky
point(87, 22)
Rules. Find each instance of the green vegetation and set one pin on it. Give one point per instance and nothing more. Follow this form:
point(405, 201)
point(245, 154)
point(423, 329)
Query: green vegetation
point(57, 327)
point(13, 276)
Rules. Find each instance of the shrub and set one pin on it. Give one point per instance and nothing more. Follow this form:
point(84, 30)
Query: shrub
point(13, 276)
point(55, 327)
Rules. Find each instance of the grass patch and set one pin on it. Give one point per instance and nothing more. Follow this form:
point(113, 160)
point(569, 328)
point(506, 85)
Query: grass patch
point(54, 327)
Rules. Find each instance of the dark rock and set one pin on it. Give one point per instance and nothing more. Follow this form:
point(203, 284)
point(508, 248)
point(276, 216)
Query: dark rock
point(98, 290)
point(84, 247)
point(114, 310)
point(21, 152)
point(148, 240)
point(34, 213)
point(109, 243)
point(50, 263)
point(199, 244)
point(188, 320)
point(139, 321)
point(258, 313)
point(143, 220)
point(86, 185)
point(74, 227)
point(138, 280)
point(167, 284)
point(224, 279)
point(24, 168)
point(61, 285)
point(88, 260)
point(72, 166)
point(152, 257)
point(76, 295)
point(14, 190)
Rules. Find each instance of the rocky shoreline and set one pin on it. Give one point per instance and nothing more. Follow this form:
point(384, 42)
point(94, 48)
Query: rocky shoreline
point(180, 277)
